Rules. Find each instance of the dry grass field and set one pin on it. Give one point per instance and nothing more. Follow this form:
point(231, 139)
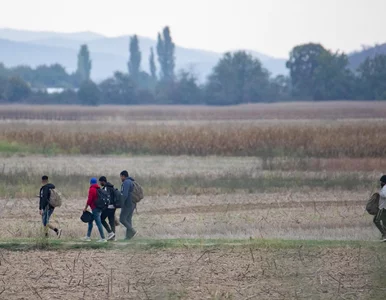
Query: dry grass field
point(276, 111)
point(250, 202)
point(255, 271)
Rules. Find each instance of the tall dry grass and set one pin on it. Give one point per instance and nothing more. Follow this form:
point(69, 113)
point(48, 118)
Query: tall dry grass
point(313, 139)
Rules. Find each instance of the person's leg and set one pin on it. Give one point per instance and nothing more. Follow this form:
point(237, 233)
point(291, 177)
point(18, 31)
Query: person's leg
point(125, 219)
point(53, 228)
point(104, 215)
point(111, 216)
point(89, 230)
point(380, 221)
point(97, 217)
point(45, 221)
point(130, 232)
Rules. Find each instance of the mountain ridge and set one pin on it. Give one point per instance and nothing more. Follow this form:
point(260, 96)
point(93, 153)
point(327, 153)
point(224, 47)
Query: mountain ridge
point(109, 54)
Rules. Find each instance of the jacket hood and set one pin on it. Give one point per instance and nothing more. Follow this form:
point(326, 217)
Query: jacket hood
point(108, 184)
point(94, 186)
point(50, 186)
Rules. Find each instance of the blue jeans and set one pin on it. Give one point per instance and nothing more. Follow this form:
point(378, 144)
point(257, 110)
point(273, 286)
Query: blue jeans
point(97, 218)
point(47, 213)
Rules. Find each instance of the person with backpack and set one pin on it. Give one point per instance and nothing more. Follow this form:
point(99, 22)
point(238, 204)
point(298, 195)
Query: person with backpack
point(92, 202)
point(380, 217)
point(128, 206)
point(46, 210)
point(109, 212)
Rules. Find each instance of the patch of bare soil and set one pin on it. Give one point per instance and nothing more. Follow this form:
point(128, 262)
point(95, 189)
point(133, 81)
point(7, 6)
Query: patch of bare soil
point(220, 273)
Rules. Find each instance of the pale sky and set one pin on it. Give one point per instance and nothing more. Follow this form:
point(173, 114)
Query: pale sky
point(272, 27)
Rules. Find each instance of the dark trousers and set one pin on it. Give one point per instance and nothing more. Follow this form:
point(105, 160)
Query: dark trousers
point(126, 217)
point(110, 215)
point(380, 221)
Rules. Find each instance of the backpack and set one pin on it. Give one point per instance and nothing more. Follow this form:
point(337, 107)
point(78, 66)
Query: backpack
point(137, 192)
point(55, 198)
point(372, 205)
point(118, 199)
point(103, 200)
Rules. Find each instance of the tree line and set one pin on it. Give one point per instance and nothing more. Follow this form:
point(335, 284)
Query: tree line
point(315, 74)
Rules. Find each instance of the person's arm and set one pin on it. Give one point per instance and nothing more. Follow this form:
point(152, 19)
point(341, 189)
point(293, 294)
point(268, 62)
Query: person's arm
point(126, 189)
point(40, 201)
point(90, 199)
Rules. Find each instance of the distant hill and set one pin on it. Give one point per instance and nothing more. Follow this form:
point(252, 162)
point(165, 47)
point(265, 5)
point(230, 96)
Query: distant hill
point(359, 57)
point(108, 54)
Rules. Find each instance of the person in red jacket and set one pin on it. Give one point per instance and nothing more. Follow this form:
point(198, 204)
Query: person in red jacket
point(97, 212)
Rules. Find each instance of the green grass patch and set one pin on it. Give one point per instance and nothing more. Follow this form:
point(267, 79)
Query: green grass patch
point(146, 244)
point(14, 147)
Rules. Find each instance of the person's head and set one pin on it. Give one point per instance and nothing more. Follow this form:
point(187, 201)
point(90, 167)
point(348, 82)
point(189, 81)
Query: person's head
point(93, 181)
point(102, 180)
point(44, 179)
point(383, 180)
point(124, 174)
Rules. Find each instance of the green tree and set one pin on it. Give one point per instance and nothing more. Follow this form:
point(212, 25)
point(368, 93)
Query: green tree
point(84, 64)
point(184, 90)
point(3, 87)
point(281, 88)
point(134, 64)
point(17, 89)
point(89, 93)
point(153, 68)
point(332, 79)
point(119, 89)
point(237, 78)
point(166, 58)
point(303, 61)
point(372, 78)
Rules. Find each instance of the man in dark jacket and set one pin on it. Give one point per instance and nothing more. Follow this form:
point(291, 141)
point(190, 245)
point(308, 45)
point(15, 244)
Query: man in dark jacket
point(109, 212)
point(128, 205)
point(45, 209)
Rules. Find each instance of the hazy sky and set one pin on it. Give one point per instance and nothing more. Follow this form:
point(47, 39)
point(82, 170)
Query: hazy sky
point(269, 26)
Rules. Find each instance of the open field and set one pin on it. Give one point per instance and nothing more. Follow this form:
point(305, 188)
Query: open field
point(255, 270)
point(313, 215)
point(321, 139)
point(238, 204)
point(277, 111)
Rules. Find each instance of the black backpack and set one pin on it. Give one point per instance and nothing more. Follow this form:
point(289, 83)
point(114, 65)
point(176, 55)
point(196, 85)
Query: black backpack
point(118, 199)
point(104, 199)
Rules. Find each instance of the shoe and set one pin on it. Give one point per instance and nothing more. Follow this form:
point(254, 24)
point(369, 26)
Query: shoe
point(86, 239)
point(133, 236)
point(59, 233)
point(383, 239)
point(111, 236)
point(102, 241)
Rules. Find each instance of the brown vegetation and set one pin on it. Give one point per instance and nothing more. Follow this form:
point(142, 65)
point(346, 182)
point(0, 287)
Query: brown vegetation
point(276, 111)
point(314, 139)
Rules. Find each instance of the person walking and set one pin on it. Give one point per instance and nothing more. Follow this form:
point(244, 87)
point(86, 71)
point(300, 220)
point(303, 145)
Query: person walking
point(109, 212)
point(380, 217)
point(128, 206)
point(45, 209)
point(96, 212)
